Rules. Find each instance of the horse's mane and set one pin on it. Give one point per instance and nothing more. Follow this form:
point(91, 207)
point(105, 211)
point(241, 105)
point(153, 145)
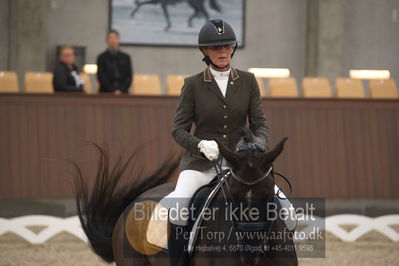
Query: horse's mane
point(246, 135)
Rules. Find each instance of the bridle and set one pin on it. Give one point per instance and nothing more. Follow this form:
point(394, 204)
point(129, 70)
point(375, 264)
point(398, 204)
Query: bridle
point(223, 175)
point(256, 147)
point(241, 180)
point(243, 226)
point(250, 146)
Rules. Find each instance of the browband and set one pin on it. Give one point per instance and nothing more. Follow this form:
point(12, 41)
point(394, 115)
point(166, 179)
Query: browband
point(251, 146)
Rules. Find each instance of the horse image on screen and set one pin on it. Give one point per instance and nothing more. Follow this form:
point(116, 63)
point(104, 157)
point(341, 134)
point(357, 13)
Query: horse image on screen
point(172, 22)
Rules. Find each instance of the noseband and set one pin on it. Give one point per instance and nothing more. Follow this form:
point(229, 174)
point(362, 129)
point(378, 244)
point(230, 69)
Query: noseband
point(241, 180)
point(250, 146)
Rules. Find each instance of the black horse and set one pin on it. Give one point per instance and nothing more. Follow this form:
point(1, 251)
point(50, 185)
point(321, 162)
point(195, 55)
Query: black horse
point(106, 214)
point(197, 5)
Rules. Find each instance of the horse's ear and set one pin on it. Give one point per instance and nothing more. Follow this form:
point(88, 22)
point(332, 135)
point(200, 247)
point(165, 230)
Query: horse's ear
point(228, 154)
point(275, 152)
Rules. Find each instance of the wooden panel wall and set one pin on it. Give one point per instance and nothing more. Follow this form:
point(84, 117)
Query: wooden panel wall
point(336, 148)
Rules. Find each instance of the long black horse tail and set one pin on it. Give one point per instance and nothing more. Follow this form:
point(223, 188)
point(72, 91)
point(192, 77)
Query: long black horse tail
point(99, 211)
point(214, 5)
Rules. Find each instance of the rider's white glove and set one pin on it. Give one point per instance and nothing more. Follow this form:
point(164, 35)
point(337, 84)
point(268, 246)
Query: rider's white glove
point(209, 148)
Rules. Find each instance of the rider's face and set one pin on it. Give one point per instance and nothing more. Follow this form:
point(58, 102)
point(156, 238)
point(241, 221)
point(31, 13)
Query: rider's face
point(220, 55)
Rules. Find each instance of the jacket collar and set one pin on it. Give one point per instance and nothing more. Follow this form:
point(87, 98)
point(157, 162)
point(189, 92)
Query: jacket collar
point(212, 85)
point(208, 75)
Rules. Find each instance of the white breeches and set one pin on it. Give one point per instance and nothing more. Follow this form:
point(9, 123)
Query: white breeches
point(190, 180)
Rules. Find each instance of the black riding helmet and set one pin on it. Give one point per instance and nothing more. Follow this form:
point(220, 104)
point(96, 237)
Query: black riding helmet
point(214, 33)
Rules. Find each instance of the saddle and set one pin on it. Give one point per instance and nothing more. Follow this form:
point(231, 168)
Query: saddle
point(157, 231)
point(202, 194)
point(202, 198)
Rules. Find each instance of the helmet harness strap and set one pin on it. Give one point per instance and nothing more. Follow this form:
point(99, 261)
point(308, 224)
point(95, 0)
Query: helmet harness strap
point(208, 61)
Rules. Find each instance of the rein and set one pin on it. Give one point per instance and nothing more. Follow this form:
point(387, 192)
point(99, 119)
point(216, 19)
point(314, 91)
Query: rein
point(286, 180)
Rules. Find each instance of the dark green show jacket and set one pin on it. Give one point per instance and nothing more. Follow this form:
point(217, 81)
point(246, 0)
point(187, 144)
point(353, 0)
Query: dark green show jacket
point(216, 117)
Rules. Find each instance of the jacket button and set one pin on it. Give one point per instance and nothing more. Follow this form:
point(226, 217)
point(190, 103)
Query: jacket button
point(225, 117)
point(224, 136)
point(225, 126)
point(224, 106)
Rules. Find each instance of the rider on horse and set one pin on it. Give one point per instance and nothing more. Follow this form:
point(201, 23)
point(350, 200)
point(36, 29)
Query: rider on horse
point(218, 101)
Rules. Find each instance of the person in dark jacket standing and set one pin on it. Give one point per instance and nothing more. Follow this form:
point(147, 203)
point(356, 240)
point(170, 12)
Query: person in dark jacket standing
point(66, 74)
point(114, 67)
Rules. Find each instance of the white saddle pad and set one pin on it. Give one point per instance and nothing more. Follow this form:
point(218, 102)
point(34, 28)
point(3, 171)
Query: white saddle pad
point(157, 230)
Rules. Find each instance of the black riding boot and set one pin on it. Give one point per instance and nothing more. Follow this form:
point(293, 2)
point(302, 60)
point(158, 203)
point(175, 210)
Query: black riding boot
point(177, 244)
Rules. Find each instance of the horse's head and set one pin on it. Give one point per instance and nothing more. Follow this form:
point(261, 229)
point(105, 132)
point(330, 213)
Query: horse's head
point(251, 165)
point(251, 183)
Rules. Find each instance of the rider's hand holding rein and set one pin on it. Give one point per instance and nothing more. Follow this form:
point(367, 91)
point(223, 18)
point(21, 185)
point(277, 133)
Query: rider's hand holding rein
point(209, 148)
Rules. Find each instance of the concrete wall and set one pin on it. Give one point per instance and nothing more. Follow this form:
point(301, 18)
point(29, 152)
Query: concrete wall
point(272, 40)
point(371, 36)
point(330, 38)
point(276, 35)
point(28, 34)
point(354, 34)
point(4, 34)
point(336, 36)
point(25, 46)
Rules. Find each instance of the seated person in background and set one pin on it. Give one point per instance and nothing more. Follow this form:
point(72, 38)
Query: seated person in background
point(66, 74)
point(114, 67)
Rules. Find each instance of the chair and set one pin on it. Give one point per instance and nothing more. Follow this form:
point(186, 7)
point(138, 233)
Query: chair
point(146, 85)
point(39, 82)
point(8, 81)
point(174, 84)
point(349, 88)
point(316, 88)
point(383, 88)
point(261, 86)
point(283, 87)
point(88, 88)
